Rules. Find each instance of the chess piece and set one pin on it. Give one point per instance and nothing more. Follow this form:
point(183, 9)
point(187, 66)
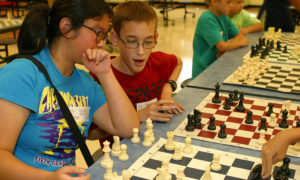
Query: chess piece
point(207, 175)
point(285, 49)
point(270, 111)
point(273, 120)
point(135, 138)
point(197, 121)
point(190, 124)
point(106, 159)
point(115, 149)
point(177, 153)
point(170, 141)
point(197, 114)
point(222, 134)
point(216, 98)
point(126, 175)
point(149, 127)
point(163, 174)
point(296, 147)
point(227, 104)
point(230, 95)
point(188, 149)
point(249, 119)
point(123, 155)
point(284, 170)
point(212, 123)
point(180, 174)
point(287, 105)
point(261, 140)
point(256, 172)
point(263, 124)
point(215, 164)
point(240, 107)
point(165, 164)
point(108, 170)
point(235, 95)
point(278, 46)
point(147, 142)
point(283, 123)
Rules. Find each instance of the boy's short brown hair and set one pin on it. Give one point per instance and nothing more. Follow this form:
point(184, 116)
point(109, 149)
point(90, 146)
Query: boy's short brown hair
point(132, 11)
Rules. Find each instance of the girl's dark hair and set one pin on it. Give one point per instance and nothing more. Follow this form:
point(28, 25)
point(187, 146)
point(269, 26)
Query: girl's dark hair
point(41, 25)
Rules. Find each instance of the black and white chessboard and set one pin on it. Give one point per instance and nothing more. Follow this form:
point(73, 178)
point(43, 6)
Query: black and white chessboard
point(234, 166)
point(278, 77)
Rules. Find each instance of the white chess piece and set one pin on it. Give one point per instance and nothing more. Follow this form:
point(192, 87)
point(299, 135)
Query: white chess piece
point(207, 175)
point(177, 153)
point(108, 173)
point(115, 149)
point(126, 175)
point(123, 155)
point(215, 164)
point(147, 142)
point(170, 141)
point(188, 149)
point(149, 127)
point(165, 164)
point(163, 174)
point(296, 147)
point(261, 140)
point(106, 158)
point(135, 138)
point(180, 174)
point(273, 120)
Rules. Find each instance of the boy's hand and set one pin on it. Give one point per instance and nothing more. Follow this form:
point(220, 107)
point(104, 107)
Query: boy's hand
point(272, 152)
point(97, 61)
point(65, 173)
point(155, 111)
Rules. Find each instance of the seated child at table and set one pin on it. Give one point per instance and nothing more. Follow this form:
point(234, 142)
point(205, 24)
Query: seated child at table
point(242, 19)
point(214, 35)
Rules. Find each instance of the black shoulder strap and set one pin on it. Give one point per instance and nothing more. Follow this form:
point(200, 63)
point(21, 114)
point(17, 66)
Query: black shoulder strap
point(66, 112)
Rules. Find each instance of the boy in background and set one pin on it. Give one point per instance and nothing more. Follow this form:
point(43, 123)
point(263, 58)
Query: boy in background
point(242, 19)
point(213, 32)
point(147, 77)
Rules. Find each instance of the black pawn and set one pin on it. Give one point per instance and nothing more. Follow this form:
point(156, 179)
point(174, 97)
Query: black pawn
point(227, 104)
point(283, 123)
point(222, 134)
point(249, 119)
point(216, 98)
point(212, 123)
point(190, 125)
point(270, 111)
point(278, 46)
point(240, 107)
point(285, 49)
point(264, 41)
point(256, 172)
point(197, 121)
point(235, 95)
point(285, 166)
point(272, 44)
point(230, 98)
point(263, 124)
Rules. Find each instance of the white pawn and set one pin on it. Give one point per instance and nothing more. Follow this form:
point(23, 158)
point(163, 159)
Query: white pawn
point(135, 138)
point(261, 140)
point(149, 127)
point(180, 174)
point(108, 173)
point(272, 122)
point(215, 164)
point(126, 175)
point(163, 174)
point(177, 153)
point(165, 164)
point(106, 159)
point(123, 155)
point(147, 142)
point(207, 175)
point(188, 149)
point(115, 149)
point(170, 141)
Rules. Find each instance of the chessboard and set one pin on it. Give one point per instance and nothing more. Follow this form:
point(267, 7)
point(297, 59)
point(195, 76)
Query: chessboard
point(238, 132)
point(276, 77)
point(233, 166)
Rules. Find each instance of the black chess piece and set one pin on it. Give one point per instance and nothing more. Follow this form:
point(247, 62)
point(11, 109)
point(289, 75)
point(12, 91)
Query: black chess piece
point(278, 46)
point(240, 107)
point(286, 170)
point(263, 54)
point(197, 121)
point(270, 111)
point(227, 104)
point(249, 119)
point(197, 114)
point(272, 44)
point(263, 124)
point(216, 98)
point(264, 41)
point(255, 174)
point(285, 49)
point(230, 95)
point(211, 123)
point(283, 123)
point(236, 95)
point(190, 124)
point(222, 133)
point(298, 124)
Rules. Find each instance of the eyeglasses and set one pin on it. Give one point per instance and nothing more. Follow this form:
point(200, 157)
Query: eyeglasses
point(101, 36)
point(133, 44)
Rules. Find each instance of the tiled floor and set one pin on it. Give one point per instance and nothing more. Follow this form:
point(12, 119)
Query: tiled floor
point(176, 39)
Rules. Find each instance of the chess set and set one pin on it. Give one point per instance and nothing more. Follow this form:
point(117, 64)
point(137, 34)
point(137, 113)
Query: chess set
point(238, 132)
point(195, 165)
point(276, 77)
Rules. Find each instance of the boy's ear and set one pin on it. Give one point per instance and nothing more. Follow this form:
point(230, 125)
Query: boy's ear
point(114, 38)
point(65, 27)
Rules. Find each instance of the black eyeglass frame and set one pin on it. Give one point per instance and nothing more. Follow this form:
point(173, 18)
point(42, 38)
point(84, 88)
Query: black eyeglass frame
point(138, 43)
point(101, 36)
